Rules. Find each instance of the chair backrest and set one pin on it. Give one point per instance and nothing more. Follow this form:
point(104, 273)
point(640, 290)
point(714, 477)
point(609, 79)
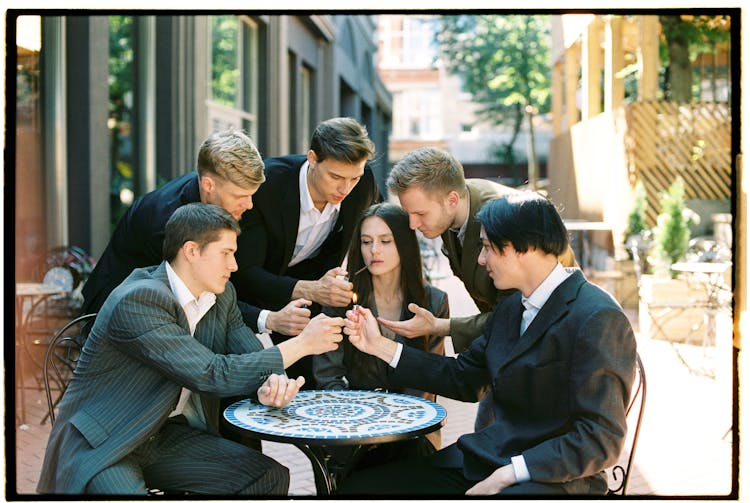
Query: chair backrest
point(637, 396)
point(62, 356)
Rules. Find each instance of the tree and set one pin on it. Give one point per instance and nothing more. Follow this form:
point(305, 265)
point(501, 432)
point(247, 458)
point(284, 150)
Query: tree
point(503, 61)
point(684, 38)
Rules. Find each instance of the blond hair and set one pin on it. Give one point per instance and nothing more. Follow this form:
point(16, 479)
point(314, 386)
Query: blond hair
point(231, 155)
point(429, 168)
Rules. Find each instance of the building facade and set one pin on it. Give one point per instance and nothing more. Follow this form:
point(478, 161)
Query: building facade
point(109, 107)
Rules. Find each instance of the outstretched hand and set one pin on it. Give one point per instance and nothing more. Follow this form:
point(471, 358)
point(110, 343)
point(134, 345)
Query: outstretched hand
point(291, 319)
point(279, 390)
point(362, 329)
point(422, 324)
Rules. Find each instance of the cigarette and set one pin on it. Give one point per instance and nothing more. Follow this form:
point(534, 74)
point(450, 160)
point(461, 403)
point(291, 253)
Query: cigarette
point(360, 270)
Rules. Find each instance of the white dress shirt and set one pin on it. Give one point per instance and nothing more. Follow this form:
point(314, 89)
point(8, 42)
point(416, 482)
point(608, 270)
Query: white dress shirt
point(189, 403)
point(314, 227)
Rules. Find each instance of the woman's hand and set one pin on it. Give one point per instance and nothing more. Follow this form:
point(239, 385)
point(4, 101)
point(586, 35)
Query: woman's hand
point(364, 334)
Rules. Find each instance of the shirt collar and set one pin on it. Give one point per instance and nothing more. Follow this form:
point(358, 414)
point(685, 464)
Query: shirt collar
point(305, 199)
point(539, 297)
point(184, 295)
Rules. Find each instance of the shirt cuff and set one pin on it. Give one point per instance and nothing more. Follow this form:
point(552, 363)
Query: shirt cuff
point(519, 467)
point(397, 355)
point(262, 322)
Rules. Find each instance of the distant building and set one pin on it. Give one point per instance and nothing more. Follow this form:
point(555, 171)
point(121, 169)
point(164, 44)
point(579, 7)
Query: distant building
point(109, 107)
point(429, 107)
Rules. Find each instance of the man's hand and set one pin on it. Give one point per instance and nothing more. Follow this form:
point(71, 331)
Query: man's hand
point(364, 334)
point(321, 335)
point(422, 324)
point(278, 390)
point(499, 479)
point(292, 318)
point(330, 290)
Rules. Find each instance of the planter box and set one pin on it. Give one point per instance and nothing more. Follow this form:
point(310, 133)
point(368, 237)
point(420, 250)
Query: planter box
point(669, 301)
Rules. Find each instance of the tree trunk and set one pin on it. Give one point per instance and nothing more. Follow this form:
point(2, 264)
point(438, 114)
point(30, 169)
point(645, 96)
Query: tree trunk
point(679, 77)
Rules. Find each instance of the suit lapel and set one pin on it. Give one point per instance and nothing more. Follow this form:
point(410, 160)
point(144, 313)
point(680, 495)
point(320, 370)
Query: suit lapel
point(556, 307)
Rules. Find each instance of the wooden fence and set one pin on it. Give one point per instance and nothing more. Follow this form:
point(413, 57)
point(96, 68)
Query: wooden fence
point(692, 140)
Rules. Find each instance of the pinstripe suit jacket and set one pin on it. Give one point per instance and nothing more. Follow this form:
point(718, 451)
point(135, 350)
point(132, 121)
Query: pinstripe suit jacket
point(133, 366)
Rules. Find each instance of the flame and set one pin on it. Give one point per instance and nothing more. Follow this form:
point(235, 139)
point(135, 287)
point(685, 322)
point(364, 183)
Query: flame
point(354, 298)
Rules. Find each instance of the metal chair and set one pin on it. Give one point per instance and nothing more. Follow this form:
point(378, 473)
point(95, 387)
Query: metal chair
point(638, 395)
point(61, 359)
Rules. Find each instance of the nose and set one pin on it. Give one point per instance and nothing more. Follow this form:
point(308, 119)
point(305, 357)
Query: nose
point(481, 259)
point(232, 265)
point(247, 203)
point(346, 187)
point(413, 222)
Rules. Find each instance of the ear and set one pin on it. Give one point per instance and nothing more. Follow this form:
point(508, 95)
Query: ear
point(207, 183)
point(453, 198)
point(312, 158)
point(190, 251)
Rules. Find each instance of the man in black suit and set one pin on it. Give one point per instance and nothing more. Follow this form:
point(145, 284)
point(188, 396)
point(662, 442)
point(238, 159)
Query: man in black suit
point(559, 355)
point(229, 171)
point(295, 238)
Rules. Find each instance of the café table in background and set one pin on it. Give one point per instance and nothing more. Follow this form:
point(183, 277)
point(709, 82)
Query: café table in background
point(317, 418)
point(28, 296)
point(709, 277)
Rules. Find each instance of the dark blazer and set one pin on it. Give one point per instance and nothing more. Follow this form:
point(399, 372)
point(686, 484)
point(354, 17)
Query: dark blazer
point(269, 232)
point(463, 262)
point(133, 366)
point(138, 238)
point(559, 391)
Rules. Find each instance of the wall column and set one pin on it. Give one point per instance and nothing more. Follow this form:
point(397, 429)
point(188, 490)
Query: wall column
point(614, 60)
point(648, 60)
point(591, 63)
point(571, 84)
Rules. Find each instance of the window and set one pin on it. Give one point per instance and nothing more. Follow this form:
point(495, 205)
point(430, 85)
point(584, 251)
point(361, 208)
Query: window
point(233, 90)
point(306, 104)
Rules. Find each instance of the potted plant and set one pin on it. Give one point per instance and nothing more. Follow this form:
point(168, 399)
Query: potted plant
point(672, 231)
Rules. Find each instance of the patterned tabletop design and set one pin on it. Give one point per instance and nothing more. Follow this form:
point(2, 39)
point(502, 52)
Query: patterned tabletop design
point(335, 415)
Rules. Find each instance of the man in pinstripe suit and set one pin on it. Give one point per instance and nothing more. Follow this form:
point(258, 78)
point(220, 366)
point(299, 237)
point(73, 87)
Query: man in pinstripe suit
point(143, 407)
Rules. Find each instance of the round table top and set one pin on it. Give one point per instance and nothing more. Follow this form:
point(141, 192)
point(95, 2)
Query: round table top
point(338, 417)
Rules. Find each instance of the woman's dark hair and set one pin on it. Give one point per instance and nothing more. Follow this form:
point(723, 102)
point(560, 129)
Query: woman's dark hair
point(412, 280)
point(524, 220)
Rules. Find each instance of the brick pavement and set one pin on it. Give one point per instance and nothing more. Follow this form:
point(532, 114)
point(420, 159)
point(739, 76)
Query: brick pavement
point(682, 451)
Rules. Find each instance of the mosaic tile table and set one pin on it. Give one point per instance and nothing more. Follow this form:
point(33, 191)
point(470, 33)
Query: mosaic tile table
point(346, 417)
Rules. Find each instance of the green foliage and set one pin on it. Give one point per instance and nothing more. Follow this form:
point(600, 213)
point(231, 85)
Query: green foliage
point(673, 225)
point(637, 216)
point(120, 66)
point(684, 38)
point(225, 72)
point(503, 61)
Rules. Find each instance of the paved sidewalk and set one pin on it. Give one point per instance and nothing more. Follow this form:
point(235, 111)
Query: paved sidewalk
point(682, 451)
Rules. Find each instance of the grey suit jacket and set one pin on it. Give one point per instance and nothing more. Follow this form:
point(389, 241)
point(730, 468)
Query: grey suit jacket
point(133, 366)
point(559, 392)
